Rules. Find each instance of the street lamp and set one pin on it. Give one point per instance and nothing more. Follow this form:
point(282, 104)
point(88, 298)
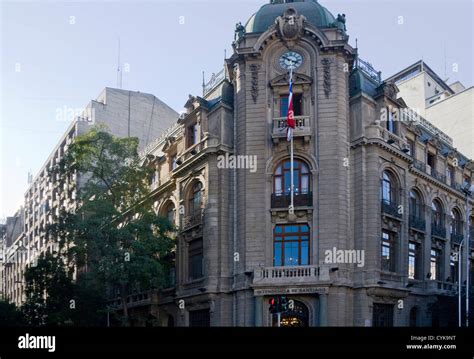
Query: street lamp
point(468, 189)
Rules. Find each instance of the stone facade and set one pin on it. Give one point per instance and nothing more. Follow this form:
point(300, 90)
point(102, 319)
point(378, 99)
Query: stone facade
point(352, 132)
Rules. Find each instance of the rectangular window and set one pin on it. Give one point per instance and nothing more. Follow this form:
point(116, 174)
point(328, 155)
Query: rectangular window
point(291, 245)
point(297, 105)
point(411, 148)
point(382, 315)
point(413, 260)
point(435, 264)
point(192, 135)
point(200, 318)
point(195, 259)
point(391, 123)
point(388, 251)
point(450, 174)
point(431, 160)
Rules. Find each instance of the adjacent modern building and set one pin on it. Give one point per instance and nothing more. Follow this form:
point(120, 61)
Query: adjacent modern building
point(124, 114)
point(451, 108)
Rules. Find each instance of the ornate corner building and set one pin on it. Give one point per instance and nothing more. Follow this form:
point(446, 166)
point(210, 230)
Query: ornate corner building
point(372, 177)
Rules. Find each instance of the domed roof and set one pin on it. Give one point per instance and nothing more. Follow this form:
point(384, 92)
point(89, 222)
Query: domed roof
point(316, 14)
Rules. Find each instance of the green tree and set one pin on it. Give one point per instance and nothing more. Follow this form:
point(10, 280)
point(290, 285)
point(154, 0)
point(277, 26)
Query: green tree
point(49, 292)
point(113, 234)
point(10, 316)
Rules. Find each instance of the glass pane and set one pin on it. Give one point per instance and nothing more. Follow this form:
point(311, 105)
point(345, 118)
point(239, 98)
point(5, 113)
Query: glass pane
point(305, 184)
point(277, 255)
point(278, 185)
point(283, 106)
point(304, 253)
point(278, 229)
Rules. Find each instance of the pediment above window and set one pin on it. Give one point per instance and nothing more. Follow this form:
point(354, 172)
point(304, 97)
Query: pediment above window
point(284, 80)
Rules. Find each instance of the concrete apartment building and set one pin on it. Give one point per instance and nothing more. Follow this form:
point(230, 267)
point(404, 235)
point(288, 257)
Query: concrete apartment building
point(124, 113)
point(450, 108)
point(370, 176)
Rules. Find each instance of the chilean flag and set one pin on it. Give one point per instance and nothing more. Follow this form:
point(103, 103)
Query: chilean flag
point(291, 114)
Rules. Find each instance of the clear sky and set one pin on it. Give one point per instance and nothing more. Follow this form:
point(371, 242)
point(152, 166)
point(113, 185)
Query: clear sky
point(58, 55)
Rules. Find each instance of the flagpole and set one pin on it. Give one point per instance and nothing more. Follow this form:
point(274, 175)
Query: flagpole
point(292, 185)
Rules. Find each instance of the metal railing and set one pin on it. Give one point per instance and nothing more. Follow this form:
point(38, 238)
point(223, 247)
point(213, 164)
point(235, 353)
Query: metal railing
point(438, 230)
point(283, 200)
point(192, 220)
point(280, 125)
point(390, 208)
point(417, 222)
point(293, 274)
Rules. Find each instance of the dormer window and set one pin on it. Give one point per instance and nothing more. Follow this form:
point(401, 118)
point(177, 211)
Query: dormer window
point(391, 123)
point(173, 163)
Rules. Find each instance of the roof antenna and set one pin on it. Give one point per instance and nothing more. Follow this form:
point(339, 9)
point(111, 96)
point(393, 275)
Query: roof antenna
point(119, 69)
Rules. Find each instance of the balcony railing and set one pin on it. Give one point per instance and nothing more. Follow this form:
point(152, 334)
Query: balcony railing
point(192, 151)
point(390, 208)
point(303, 126)
point(191, 221)
point(419, 165)
point(291, 275)
point(417, 223)
point(456, 238)
point(438, 230)
point(437, 175)
point(299, 200)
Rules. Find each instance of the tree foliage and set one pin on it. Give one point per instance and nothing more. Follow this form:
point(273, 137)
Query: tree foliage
point(113, 239)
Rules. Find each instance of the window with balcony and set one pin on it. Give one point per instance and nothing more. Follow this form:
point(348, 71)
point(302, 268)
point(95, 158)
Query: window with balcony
point(431, 160)
point(297, 105)
point(195, 199)
point(414, 260)
point(282, 184)
point(389, 194)
point(416, 210)
point(195, 259)
point(435, 264)
point(437, 219)
point(291, 245)
point(388, 251)
point(390, 124)
point(456, 226)
point(450, 172)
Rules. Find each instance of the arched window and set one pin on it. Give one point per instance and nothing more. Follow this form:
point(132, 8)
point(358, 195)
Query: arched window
point(170, 212)
point(455, 228)
point(282, 178)
point(416, 206)
point(195, 199)
point(389, 188)
point(437, 214)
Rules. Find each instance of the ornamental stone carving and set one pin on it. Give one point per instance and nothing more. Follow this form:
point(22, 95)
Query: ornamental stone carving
point(290, 25)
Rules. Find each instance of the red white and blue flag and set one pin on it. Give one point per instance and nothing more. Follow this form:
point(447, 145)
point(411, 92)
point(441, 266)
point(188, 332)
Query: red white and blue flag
point(291, 123)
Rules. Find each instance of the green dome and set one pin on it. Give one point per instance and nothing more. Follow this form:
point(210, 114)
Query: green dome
point(316, 14)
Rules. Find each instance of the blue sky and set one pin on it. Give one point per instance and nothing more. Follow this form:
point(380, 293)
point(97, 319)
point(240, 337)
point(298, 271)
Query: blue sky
point(58, 54)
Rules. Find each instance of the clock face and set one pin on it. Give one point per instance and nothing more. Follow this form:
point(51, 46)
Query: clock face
point(291, 60)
